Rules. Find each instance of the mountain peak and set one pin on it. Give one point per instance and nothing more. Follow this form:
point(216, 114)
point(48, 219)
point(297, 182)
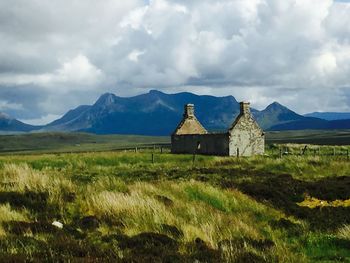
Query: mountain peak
point(276, 106)
point(154, 91)
point(155, 94)
point(107, 94)
point(276, 103)
point(106, 99)
point(4, 116)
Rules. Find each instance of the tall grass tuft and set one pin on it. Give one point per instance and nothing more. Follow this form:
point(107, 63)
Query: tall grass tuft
point(344, 232)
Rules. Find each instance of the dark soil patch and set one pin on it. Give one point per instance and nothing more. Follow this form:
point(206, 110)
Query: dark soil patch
point(72, 231)
point(89, 223)
point(72, 248)
point(19, 255)
point(250, 257)
point(17, 258)
point(33, 201)
point(165, 200)
point(284, 192)
point(203, 253)
point(172, 230)
point(19, 227)
point(293, 229)
point(60, 247)
point(261, 244)
point(69, 197)
point(149, 247)
point(147, 240)
point(30, 200)
point(330, 189)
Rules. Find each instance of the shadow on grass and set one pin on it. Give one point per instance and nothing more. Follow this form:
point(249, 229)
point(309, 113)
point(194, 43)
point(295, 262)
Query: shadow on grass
point(57, 248)
point(284, 192)
point(155, 247)
point(20, 228)
point(33, 201)
point(61, 245)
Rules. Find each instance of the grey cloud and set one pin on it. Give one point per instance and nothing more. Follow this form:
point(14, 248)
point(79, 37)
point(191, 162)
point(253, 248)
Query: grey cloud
point(26, 95)
point(57, 54)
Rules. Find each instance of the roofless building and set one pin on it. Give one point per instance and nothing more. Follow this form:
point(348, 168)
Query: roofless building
point(243, 138)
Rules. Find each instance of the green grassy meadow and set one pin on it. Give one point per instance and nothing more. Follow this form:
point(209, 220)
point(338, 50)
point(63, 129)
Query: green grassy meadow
point(120, 206)
point(58, 142)
point(321, 137)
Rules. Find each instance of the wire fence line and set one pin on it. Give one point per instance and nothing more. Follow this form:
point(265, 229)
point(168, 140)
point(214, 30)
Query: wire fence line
point(306, 151)
point(272, 151)
point(163, 148)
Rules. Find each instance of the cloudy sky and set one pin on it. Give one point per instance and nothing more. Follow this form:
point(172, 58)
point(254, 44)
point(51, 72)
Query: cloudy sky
point(58, 54)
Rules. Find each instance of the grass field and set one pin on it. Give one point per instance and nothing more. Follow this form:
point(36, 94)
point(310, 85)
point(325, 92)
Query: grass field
point(121, 207)
point(83, 142)
point(72, 142)
point(327, 137)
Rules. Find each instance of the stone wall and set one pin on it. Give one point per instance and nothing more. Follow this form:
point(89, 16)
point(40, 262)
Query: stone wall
point(210, 144)
point(246, 136)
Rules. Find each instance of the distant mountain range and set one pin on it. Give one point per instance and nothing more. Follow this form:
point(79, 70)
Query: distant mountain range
point(8, 124)
point(157, 113)
point(330, 116)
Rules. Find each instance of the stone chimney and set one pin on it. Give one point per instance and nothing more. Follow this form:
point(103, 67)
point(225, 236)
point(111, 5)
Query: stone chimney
point(245, 108)
point(189, 111)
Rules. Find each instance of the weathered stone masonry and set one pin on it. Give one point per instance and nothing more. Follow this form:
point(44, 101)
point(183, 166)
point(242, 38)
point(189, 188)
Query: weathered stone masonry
point(244, 137)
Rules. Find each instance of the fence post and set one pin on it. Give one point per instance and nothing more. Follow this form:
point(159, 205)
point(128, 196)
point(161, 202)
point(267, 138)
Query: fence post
point(333, 151)
point(161, 149)
point(152, 157)
point(135, 149)
point(280, 153)
point(237, 152)
point(304, 150)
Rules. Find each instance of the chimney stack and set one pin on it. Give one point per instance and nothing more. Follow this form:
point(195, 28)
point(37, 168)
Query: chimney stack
point(245, 108)
point(189, 111)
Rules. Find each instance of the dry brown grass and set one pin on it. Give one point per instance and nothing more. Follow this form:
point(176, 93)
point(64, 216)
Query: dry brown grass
point(344, 232)
point(140, 211)
point(22, 178)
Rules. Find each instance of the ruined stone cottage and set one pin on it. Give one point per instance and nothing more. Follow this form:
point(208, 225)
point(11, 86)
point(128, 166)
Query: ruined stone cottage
point(243, 138)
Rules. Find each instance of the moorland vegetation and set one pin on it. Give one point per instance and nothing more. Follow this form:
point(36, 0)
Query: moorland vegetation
point(122, 207)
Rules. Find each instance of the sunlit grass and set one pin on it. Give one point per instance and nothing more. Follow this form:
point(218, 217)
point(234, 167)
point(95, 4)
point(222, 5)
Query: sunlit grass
point(312, 202)
point(174, 197)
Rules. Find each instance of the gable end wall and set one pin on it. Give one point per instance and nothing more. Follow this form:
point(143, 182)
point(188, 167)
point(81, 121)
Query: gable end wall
point(246, 136)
